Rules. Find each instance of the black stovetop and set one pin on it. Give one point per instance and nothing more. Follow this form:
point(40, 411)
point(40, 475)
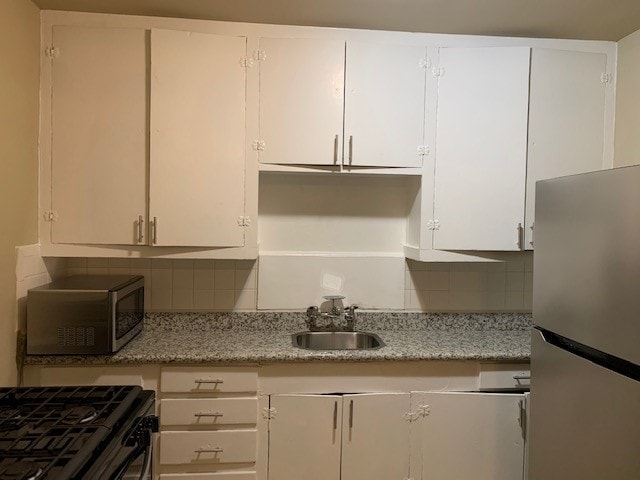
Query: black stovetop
point(51, 432)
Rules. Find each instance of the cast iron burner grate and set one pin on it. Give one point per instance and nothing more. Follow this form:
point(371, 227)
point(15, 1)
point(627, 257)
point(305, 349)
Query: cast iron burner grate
point(50, 432)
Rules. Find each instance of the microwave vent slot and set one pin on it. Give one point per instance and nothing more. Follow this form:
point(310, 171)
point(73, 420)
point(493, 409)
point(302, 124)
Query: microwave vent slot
point(76, 336)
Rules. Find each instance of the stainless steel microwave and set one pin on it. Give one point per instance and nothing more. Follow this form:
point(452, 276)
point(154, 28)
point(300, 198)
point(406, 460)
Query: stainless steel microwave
point(84, 314)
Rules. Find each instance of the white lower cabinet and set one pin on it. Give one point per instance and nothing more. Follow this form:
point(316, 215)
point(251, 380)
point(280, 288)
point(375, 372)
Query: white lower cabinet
point(332, 437)
point(208, 419)
point(469, 436)
point(237, 423)
point(192, 448)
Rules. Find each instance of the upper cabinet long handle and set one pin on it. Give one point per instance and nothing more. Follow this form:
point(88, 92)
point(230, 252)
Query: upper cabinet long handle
point(350, 149)
point(335, 150)
point(154, 226)
point(140, 234)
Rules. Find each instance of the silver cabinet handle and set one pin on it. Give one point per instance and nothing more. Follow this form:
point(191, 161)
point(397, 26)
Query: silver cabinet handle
point(204, 380)
point(351, 414)
point(140, 234)
point(335, 150)
point(202, 414)
point(335, 415)
point(209, 450)
point(520, 232)
point(522, 377)
point(350, 149)
point(154, 230)
point(533, 231)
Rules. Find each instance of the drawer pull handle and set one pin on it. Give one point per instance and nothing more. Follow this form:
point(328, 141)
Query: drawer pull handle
point(209, 450)
point(522, 377)
point(201, 414)
point(202, 380)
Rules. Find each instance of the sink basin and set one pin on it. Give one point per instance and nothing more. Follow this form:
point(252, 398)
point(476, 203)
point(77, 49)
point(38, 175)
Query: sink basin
point(336, 340)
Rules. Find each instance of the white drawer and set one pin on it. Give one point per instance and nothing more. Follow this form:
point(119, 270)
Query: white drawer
point(208, 411)
point(209, 476)
point(179, 448)
point(210, 380)
point(504, 376)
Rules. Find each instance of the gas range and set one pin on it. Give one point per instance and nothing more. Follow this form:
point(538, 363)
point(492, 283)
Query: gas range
point(72, 433)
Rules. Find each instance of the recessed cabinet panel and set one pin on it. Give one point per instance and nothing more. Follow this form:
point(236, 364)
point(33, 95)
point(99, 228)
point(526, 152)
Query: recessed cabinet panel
point(99, 135)
point(375, 436)
point(481, 147)
point(471, 436)
point(197, 139)
point(305, 438)
point(301, 101)
point(566, 119)
point(384, 105)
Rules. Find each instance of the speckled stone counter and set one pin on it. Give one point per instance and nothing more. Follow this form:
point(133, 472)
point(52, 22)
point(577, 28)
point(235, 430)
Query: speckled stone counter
point(260, 338)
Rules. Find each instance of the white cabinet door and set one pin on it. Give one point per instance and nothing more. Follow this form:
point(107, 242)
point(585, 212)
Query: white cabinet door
point(384, 105)
point(470, 436)
point(375, 436)
point(301, 101)
point(566, 119)
point(197, 139)
point(99, 135)
point(304, 437)
point(481, 148)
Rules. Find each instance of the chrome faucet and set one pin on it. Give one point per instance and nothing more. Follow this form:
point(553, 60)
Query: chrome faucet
point(337, 312)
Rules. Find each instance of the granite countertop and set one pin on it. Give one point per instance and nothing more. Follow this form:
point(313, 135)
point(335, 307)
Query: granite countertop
point(259, 338)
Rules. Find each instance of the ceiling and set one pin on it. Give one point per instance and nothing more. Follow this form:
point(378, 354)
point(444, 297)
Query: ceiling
point(581, 19)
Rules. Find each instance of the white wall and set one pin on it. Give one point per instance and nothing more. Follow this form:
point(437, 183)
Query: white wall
point(627, 143)
point(19, 85)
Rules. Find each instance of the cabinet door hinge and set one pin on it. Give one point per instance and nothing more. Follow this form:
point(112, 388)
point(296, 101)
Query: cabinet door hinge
point(244, 221)
point(246, 62)
point(522, 417)
point(269, 413)
point(533, 233)
point(52, 52)
point(258, 145)
point(424, 63)
point(424, 150)
point(433, 225)
point(606, 78)
point(50, 216)
point(437, 71)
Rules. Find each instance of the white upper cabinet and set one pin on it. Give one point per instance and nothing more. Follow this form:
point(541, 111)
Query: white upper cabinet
point(301, 101)
point(384, 105)
point(481, 148)
point(304, 107)
point(99, 135)
point(566, 119)
point(197, 139)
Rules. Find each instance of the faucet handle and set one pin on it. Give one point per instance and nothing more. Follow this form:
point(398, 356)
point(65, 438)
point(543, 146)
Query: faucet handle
point(350, 317)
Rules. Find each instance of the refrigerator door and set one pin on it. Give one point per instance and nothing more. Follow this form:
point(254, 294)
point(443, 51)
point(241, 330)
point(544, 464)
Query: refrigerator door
point(585, 419)
point(587, 260)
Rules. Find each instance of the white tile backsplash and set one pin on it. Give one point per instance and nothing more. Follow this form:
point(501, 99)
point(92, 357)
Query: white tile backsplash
point(208, 285)
point(491, 286)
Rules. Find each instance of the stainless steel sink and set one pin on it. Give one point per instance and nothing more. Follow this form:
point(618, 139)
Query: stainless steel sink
point(336, 340)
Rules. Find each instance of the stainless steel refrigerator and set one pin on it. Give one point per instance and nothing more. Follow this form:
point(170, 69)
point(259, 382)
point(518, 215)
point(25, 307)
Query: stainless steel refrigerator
point(585, 360)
